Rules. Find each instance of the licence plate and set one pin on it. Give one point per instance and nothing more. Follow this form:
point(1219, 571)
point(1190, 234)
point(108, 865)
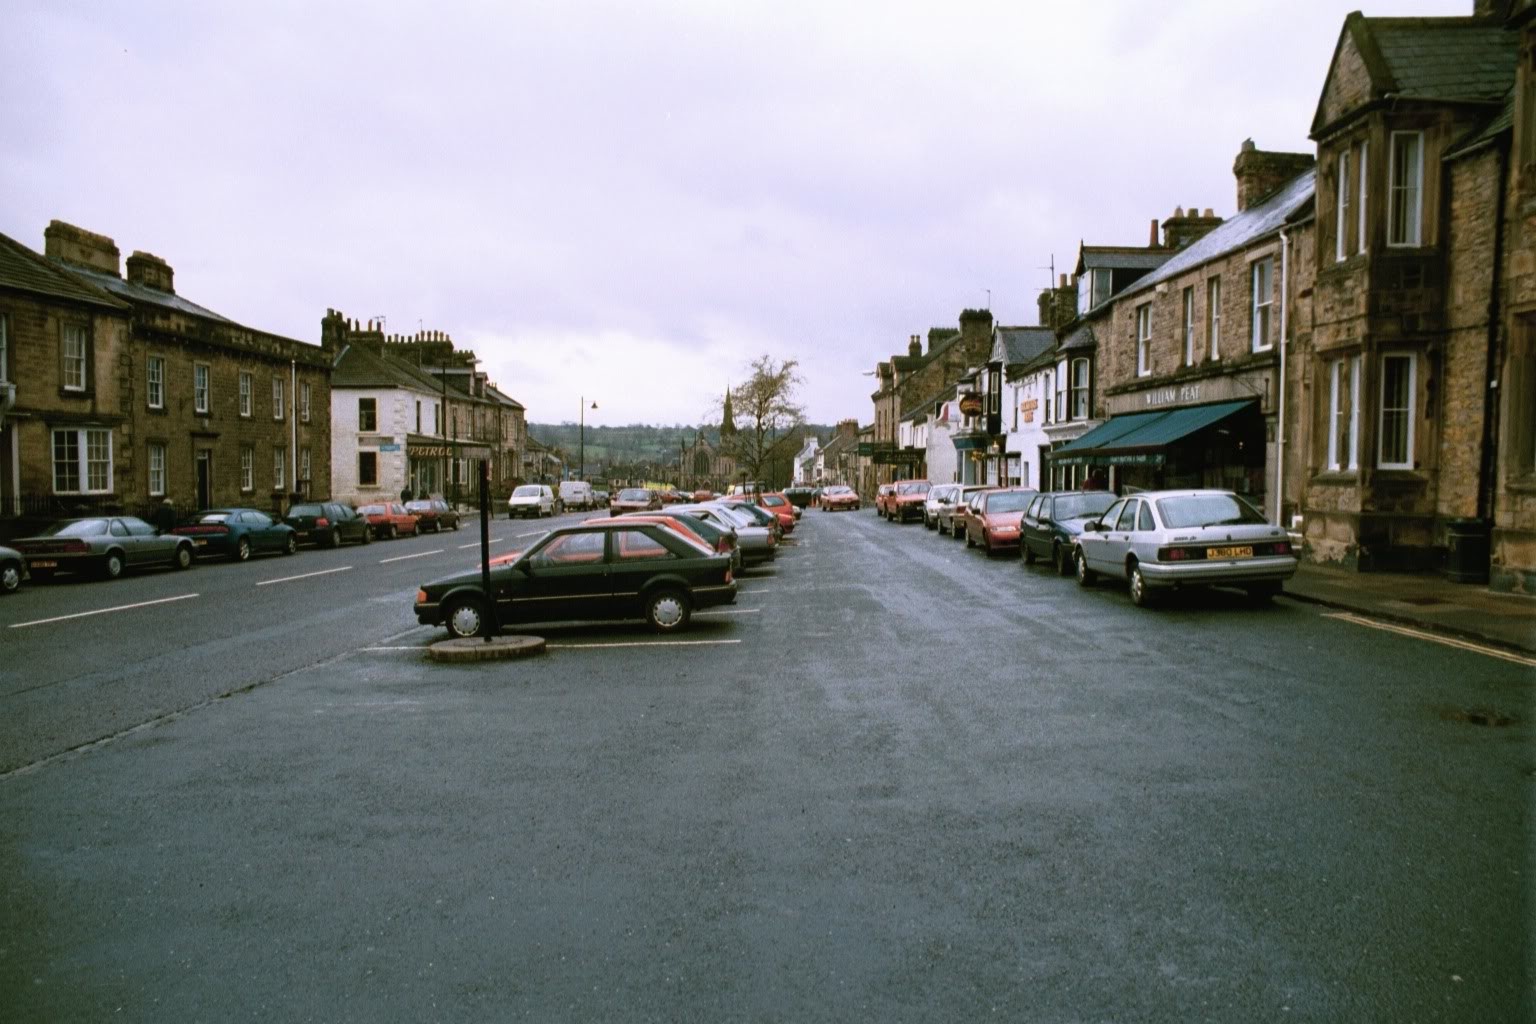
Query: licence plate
point(1229, 552)
point(42, 563)
point(202, 542)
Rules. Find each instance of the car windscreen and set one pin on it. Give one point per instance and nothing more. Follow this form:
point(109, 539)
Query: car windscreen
point(634, 494)
point(1009, 501)
point(418, 506)
point(915, 488)
point(372, 510)
point(81, 528)
point(213, 517)
point(528, 491)
point(1206, 510)
point(1078, 506)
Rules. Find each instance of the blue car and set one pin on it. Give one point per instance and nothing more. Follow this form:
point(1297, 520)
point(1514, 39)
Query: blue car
point(1052, 523)
point(238, 533)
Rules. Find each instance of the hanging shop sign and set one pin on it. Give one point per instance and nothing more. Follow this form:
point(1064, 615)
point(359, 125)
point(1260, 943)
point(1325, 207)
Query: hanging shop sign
point(970, 404)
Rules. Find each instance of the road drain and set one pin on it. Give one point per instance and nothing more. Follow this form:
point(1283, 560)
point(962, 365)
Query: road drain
point(1478, 716)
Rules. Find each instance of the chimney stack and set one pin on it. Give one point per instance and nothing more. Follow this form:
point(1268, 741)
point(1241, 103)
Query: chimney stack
point(1260, 174)
point(150, 271)
point(1152, 242)
point(914, 346)
point(69, 244)
point(1183, 228)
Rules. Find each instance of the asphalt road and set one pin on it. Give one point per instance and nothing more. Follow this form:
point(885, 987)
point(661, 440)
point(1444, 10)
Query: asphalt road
point(898, 781)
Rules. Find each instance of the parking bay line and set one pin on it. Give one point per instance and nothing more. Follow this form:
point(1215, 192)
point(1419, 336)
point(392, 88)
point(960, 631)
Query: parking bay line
point(728, 611)
point(103, 611)
point(419, 554)
point(648, 643)
point(303, 576)
point(1492, 652)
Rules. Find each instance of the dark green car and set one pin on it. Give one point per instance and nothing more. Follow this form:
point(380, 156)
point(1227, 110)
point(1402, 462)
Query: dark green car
point(615, 569)
point(328, 524)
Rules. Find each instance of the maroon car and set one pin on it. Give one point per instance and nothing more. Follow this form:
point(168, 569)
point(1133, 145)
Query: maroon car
point(993, 520)
point(634, 499)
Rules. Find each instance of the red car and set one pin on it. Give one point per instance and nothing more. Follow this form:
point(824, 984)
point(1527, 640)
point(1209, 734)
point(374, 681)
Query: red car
point(884, 495)
point(839, 497)
point(993, 520)
point(388, 519)
point(634, 499)
point(906, 501)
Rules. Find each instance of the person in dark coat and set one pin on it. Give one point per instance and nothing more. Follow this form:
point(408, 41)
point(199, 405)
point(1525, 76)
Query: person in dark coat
point(165, 516)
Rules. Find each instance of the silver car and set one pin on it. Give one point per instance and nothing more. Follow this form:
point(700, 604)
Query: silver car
point(939, 495)
point(1159, 540)
point(106, 545)
point(756, 542)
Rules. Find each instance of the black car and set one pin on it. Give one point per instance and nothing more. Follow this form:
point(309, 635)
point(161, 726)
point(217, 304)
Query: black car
point(328, 524)
point(433, 514)
point(617, 569)
point(1052, 522)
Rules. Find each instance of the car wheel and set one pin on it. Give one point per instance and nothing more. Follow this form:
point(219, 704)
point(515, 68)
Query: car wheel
point(1063, 559)
point(465, 617)
point(455, 523)
point(1085, 575)
point(667, 610)
point(968, 542)
point(393, 532)
point(1264, 593)
point(1140, 597)
point(291, 546)
point(1025, 553)
point(334, 540)
point(243, 550)
point(183, 558)
point(10, 578)
point(112, 568)
point(367, 535)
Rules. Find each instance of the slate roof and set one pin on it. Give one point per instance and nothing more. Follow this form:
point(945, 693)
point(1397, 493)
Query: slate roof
point(1021, 344)
point(139, 293)
point(1237, 232)
point(502, 397)
point(358, 367)
point(1445, 58)
point(28, 271)
point(1497, 125)
point(1080, 339)
point(1110, 257)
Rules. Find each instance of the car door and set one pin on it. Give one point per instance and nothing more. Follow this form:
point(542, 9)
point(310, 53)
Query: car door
point(1094, 543)
point(564, 577)
point(1029, 523)
point(635, 556)
point(1117, 542)
point(260, 530)
point(143, 545)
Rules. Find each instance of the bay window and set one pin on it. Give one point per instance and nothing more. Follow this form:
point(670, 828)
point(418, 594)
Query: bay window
point(1399, 374)
point(1405, 192)
point(1341, 223)
point(1079, 389)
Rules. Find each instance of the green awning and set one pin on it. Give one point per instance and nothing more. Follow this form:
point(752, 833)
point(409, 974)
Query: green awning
point(1142, 437)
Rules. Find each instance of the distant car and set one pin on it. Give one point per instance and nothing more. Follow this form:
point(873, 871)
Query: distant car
point(328, 524)
point(389, 519)
point(1053, 521)
point(106, 545)
point(780, 506)
point(634, 499)
point(434, 514)
point(702, 495)
point(609, 569)
point(238, 533)
point(12, 568)
point(755, 542)
point(801, 497)
point(839, 498)
point(907, 500)
point(952, 516)
point(885, 494)
point(715, 536)
point(937, 496)
point(993, 521)
point(760, 516)
point(1160, 540)
point(533, 501)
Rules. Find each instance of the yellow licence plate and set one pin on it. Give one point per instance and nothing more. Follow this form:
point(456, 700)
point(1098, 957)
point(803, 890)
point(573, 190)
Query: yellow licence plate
point(1229, 552)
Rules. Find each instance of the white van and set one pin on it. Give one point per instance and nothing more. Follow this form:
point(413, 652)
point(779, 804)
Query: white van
point(577, 494)
point(533, 501)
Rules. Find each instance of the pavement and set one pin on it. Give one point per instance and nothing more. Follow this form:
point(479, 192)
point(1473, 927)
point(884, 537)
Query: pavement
point(1426, 600)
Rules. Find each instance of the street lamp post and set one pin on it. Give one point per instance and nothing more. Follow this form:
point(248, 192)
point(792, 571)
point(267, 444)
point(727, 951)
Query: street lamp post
point(582, 433)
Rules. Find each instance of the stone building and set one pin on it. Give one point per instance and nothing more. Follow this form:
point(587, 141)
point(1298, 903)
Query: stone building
point(203, 411)
point(63, 347)
point(916, 379)
point(1414, 250)
point(1192, 359)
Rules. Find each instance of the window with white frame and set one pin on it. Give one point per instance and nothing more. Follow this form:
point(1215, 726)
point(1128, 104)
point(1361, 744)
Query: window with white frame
point(1341, 218)
point(277, 398)
point(156, 452)
point(279, 468)
point(1144, 339)
point(1213, 315)
point(1263, 277)
point(1344, 414)
point(1080, 389)
point(156, 382)
point(1405, 190)
point(245, 393)
point(75, 358)
point(1189, 326)
point(1399, 373)
point(247, 468)
point(304, 464)
point(200, 388)
point(1361, 193)
point(4, 348)
point(304, 402)
point(82, 461)
point(1061, 392)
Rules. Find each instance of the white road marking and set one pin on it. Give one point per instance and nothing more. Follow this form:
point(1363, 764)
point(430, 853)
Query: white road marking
point(652, 643)
point(535, 533)
point(418, 647)
point(103, 611)
point(493, 540)
point(728, 611)
point(304, 576)
point(419, 554)
point(1465, 645)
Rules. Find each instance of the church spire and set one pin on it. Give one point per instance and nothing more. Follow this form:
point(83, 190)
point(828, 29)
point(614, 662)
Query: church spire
point(728, 419)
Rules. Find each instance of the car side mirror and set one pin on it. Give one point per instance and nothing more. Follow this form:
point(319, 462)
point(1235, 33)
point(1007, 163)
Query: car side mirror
point(1092, 526)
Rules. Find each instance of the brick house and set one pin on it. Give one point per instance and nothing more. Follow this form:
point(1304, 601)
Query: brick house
point(208, 411)
point(63, 347)
point(1408, 248)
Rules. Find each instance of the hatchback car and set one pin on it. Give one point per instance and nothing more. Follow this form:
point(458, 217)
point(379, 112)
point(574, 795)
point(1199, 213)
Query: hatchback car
point(1160, 540)
point(950, 516)
point(238, 533)
point(609, 569)
point(906, 503)
point(839, 498)
point(634, 499)
point(433, 514)
point(328, 524)
point(1053, 521)
point(533, 501)
point(992, 523)
point(389, 519)
point(938, 495)
point(106, 545)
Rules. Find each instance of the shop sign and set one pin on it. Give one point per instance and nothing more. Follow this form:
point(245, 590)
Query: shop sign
point(389, 447)
point(899, 457)
point(1226, 387)
point(970, 404)
point(1028, 407)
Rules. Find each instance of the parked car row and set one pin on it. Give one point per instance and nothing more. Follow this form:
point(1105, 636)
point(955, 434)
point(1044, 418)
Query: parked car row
point(1155, 541)
point(108, 545)
point(647, 560)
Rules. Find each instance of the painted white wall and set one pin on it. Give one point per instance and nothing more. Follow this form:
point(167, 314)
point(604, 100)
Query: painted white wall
point(396, 418)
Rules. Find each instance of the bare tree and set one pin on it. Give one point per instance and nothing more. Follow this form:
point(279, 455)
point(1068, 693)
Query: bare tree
point(760, 409)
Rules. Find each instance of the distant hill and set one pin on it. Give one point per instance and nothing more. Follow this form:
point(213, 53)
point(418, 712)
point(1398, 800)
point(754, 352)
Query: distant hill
point(636, 443)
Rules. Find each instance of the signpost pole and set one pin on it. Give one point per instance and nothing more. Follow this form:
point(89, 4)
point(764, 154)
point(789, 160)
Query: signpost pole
point(489, 627)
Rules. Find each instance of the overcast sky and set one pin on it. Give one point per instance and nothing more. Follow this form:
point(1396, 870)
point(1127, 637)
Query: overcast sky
point(630, 201)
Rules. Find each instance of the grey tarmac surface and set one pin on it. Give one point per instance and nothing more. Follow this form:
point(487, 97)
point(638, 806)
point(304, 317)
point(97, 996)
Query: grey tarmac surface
point(898, 781)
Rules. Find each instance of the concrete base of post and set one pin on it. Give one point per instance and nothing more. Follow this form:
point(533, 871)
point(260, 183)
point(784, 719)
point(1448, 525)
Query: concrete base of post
point(497, 648)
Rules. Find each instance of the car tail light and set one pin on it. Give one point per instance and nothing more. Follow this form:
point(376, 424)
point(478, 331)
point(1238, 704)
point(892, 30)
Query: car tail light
point(1282, 547)
point(204, 530)
point(321, 521)
point(421, 597)
point(1179, 554)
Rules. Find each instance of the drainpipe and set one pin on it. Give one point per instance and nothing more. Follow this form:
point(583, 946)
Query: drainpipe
point(1285, 303)
point(293, 423)
point(1487, 465)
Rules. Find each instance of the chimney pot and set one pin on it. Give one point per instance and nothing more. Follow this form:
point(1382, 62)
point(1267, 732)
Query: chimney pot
point(1152, 242)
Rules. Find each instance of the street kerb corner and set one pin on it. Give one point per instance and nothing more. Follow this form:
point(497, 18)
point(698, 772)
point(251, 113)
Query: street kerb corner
point(475, 648)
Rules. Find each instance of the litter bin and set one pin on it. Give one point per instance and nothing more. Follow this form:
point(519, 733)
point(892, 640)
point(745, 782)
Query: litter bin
point(1466, 550)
